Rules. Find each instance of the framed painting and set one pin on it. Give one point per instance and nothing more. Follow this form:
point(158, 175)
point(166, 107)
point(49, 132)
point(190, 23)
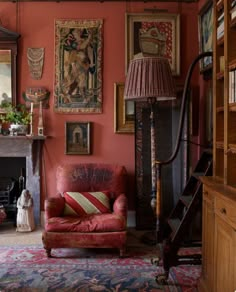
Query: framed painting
point(78, 66)
point(78, 138)
point(205, 28)
point(123, 111)
point(155, 35)
point(6, 80)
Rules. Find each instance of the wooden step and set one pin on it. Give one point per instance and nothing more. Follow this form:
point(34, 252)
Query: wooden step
point(186, 200)
point(183, 214)
point(198, 174)
point(174, 223)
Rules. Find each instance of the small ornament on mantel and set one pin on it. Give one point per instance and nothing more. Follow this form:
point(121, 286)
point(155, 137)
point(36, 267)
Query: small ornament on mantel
point(31, 119)
point(40, 121)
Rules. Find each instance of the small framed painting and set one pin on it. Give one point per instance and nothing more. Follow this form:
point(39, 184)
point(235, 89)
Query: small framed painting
point(205, 27)
point(78, 138)
point(123, 112)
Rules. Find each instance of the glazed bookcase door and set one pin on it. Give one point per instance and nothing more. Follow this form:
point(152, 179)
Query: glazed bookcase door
point(218, 93)
point(230, 93)
point(224, 66)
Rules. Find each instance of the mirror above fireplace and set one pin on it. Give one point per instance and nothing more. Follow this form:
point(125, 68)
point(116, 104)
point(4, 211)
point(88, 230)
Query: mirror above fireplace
point(8, 67)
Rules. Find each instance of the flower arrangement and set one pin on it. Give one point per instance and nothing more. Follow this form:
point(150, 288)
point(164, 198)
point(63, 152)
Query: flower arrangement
point(16, 115)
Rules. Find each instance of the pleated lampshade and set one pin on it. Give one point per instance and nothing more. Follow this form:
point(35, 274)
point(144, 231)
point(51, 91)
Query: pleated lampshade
point(149, 77)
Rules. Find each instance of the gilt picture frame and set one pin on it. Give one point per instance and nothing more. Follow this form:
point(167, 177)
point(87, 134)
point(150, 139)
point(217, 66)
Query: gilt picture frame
point(78, 138)
point(123, 111)
point(153, 34)
point(78, 66)
point(6, 79)
point(205, 29)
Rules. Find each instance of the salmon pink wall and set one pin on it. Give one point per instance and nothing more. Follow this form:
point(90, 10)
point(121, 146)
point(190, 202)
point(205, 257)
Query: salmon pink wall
point(35, 23)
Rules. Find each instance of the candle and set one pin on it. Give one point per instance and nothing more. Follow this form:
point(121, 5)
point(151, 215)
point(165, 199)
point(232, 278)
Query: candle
point(31, 107)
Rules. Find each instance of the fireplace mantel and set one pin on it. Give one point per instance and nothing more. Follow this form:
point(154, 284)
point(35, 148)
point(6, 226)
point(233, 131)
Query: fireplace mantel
point(29, 147)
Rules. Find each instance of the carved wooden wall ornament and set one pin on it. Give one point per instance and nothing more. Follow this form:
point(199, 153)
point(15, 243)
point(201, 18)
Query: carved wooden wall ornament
point(35, 58)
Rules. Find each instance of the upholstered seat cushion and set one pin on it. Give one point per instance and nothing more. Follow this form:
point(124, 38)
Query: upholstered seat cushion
point(90, 223)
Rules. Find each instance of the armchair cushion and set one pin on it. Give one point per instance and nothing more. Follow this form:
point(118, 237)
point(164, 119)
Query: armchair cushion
point(84, 203)
point(91, 223)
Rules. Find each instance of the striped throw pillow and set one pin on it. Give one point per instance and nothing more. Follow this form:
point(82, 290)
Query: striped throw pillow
point(83, 203)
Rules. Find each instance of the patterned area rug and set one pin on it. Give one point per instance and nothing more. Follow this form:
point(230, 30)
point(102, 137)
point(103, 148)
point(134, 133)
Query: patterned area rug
point(26, 268)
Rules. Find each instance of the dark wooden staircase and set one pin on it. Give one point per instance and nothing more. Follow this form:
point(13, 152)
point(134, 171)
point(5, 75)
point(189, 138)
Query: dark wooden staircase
point(179, 224)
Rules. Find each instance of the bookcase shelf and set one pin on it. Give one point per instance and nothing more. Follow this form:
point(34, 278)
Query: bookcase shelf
point(220, 5)
point(232, 107)
point(232, 65)
point(220, 41)
point(233, 23)
point(220, 144)
point(220, 109)
point(220, 75)
point(232, 148)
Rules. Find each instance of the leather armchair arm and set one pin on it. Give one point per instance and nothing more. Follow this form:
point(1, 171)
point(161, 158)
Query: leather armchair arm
point(54, 207)
point(120, 206)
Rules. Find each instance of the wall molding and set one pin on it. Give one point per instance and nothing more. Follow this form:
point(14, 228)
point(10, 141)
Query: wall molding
point(101, 1)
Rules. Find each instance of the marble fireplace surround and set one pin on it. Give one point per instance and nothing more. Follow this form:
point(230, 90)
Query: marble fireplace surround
point(29, 147)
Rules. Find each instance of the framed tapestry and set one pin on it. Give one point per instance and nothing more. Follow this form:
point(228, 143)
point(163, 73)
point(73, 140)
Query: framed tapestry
point(124, 111)
point(78, 66)
point(205, 28)
point(78, 138)
point(153, 34)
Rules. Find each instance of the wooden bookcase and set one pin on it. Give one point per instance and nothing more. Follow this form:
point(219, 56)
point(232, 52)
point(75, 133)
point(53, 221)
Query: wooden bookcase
point(219, 191)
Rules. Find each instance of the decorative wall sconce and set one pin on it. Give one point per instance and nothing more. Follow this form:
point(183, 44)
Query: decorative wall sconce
point(37, 97)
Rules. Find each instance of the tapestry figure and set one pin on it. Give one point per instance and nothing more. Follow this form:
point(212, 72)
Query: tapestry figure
point(79, 66)
point(25, 214)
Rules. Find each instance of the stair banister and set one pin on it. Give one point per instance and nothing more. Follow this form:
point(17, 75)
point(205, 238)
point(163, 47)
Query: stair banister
point(156, 202)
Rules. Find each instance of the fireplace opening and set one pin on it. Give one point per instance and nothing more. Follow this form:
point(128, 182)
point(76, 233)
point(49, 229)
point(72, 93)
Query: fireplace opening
point(12, 181)
point(17, 152)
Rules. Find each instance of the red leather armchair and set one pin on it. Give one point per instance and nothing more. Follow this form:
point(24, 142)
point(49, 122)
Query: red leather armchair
point(103, 230)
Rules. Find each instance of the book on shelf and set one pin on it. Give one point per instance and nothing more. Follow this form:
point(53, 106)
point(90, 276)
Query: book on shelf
point(232, 86)
point(233, 13)
point(221, 18)
point(220, 30)
point(222, 63)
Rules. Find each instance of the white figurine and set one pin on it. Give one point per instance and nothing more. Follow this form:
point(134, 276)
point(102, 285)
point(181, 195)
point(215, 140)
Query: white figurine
point(25, 214)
